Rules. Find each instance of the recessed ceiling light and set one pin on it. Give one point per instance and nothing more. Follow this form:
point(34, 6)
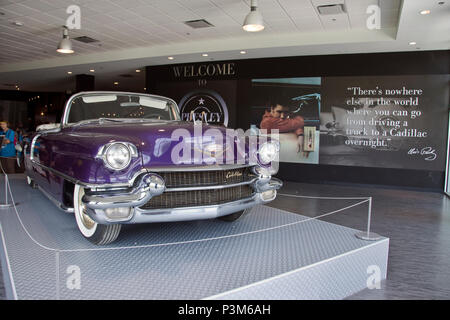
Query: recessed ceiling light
point(243, 52)
point(138, 70)
point(170, 58)
point(116, 83)
point(204, 54)
point(92, 70)
point(412, 43)
point(424, 12)
point(69, 72)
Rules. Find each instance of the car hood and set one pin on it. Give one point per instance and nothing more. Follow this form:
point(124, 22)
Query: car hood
point(164, 143)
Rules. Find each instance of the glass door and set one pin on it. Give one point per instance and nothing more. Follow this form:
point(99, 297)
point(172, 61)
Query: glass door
point(447, 173)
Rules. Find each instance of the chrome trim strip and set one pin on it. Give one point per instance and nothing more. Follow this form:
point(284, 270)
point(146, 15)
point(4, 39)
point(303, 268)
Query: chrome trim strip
point(182, 214)
point(136, 197)
point(92, 186)
point(56, 202)
point(200, 168)
point(32, 147)
point(213, 187)
point(188, 213)
point(168, 210)
point(137, 174)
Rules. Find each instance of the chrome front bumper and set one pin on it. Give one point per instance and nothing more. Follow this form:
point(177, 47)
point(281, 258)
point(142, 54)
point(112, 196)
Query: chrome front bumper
point(97, 203)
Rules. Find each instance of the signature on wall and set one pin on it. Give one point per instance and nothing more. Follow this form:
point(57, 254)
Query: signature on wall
point(428, 152)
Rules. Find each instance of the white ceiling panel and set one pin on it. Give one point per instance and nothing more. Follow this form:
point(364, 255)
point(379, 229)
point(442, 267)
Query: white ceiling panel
point(359, 6)
point(39, 5)
point(304, 12)
point(129, 3)
point(18, 9)
point(333, 22)
point(123, 15)
point(101, 6)
point(150, 30)
point(310, 24)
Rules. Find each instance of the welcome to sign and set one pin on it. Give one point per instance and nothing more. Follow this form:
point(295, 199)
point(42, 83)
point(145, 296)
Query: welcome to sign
point(204, 70)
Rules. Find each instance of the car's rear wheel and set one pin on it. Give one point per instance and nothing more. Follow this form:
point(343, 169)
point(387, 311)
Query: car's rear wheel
point(234, 216)
point(96, 233)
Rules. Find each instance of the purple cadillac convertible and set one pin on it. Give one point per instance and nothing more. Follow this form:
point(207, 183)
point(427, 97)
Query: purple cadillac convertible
point(121, 158)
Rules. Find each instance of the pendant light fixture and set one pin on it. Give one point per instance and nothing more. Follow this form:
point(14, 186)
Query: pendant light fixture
point(253, 21)
point(65, 45)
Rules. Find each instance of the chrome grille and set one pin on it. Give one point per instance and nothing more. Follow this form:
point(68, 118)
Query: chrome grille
point(178, 179)
point(178, 199)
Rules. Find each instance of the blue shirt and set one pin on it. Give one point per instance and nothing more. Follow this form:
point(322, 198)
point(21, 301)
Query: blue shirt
point(9, 149)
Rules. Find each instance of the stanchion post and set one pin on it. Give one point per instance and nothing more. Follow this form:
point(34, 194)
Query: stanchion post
point(6, 204)
point(369, 236)
point(6, 189)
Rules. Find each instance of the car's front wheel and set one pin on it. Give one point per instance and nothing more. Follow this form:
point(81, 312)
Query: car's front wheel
point(234, 216)
point(96, 233)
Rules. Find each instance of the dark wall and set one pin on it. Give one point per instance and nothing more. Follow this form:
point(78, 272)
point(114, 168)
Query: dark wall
point(376, 64)
point(41, 107)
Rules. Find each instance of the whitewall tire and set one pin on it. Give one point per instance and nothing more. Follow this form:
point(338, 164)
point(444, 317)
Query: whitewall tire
point(96, 233)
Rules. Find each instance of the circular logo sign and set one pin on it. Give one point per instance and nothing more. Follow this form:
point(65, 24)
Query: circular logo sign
point(206, 106)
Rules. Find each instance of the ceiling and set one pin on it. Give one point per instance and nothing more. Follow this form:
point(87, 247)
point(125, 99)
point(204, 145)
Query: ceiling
point(135, 33)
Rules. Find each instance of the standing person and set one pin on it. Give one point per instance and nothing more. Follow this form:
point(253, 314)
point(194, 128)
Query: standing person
point(19, 150)
point(8, 150)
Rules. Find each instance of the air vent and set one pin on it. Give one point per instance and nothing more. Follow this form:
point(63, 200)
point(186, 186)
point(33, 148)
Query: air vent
point(85, 39)
point(331, 9)
point(197, 24)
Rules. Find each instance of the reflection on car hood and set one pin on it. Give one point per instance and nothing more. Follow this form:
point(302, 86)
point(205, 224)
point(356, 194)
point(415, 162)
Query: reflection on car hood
point(155, 139)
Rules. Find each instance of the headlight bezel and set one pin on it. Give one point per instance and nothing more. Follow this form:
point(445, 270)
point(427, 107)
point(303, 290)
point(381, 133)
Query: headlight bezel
point(261, 149)
point(103, 154)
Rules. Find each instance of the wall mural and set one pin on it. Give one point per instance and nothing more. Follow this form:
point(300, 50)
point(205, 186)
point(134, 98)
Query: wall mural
point(291, 106)
point(361, 121)
point(374, 121)
point(384, 121)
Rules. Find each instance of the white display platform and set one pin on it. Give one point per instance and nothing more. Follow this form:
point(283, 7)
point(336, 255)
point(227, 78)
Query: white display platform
point(267, 254)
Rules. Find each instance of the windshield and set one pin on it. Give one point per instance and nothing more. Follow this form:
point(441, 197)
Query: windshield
point(121, 106)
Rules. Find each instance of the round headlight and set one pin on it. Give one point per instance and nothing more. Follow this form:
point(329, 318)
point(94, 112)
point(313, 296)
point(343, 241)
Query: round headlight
point(117, 156)
point(268, 152)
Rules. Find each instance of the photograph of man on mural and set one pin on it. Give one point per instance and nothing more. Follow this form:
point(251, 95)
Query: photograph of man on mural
point(289, 105)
